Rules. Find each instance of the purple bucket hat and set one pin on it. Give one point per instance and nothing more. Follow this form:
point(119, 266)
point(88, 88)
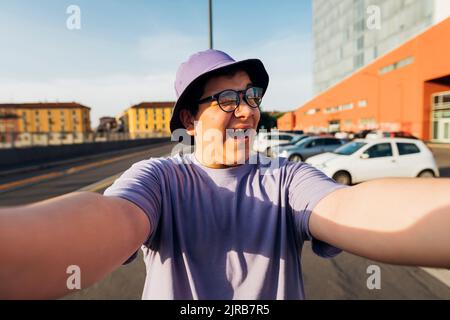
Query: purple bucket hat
point(205, 64)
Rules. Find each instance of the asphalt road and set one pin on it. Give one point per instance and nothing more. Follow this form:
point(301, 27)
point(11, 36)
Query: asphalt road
point(72, 182)
point(343, 277)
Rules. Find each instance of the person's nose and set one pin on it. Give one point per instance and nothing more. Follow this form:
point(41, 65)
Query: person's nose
point(244, 110)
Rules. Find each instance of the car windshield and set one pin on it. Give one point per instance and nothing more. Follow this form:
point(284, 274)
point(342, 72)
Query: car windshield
point(297, 140)
point(349, 148)
point(305, 141)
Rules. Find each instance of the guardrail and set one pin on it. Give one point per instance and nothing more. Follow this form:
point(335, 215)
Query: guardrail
point(9, 140)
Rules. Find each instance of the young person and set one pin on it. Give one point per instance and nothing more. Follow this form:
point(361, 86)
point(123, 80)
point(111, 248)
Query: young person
point(222, 222)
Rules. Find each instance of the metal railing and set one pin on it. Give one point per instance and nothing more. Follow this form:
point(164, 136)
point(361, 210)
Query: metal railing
point(10, 140)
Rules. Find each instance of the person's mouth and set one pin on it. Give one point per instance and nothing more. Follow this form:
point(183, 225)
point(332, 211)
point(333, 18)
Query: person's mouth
point(240, 134)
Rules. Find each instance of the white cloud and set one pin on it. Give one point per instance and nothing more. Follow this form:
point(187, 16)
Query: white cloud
point(108, 95)
point(287, 58)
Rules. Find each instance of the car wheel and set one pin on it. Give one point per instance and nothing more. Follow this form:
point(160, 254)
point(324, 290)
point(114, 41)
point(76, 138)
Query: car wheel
point(343, 178)
point(426, 174)
point(296, 158)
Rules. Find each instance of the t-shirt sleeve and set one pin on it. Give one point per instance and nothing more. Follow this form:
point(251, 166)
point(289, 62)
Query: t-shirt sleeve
point(307, 187)
point(140, 184)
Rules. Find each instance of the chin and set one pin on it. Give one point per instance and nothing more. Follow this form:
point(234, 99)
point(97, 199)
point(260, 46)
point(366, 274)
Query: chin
point(237, 157)
point(236, 152)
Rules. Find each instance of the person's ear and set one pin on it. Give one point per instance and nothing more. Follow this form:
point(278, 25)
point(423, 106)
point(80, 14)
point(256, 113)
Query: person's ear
point(187, 119)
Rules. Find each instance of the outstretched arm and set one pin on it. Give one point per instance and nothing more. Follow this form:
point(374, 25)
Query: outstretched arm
point(398, 221)
point(39, 242)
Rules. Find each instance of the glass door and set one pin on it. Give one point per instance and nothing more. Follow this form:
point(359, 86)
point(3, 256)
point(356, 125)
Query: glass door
point(444, 130)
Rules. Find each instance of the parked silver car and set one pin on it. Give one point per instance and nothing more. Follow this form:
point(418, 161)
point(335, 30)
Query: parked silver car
point(294, 141)
point(306, 148)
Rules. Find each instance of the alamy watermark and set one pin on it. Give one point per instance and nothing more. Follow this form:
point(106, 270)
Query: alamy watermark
point(74, 280)
point(73, 22)
point(374, 17)
point(374, 280)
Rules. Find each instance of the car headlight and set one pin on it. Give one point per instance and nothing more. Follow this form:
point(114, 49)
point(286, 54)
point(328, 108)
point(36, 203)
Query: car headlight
point(283, 153)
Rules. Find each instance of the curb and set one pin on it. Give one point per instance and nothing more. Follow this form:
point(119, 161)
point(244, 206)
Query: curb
point(442, 275)
point(439, 146)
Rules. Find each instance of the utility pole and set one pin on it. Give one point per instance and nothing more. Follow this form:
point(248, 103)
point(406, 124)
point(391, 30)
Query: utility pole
point(210, 25)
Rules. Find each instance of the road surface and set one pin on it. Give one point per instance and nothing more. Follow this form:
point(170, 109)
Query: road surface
point(343, 277)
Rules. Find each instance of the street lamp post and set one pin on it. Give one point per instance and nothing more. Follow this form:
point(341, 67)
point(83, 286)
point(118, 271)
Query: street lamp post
point(210, 25)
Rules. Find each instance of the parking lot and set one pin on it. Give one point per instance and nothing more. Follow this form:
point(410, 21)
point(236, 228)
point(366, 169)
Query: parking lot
point(343, 277)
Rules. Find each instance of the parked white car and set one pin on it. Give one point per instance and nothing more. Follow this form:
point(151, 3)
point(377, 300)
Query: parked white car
point(367, 159)
point(266, 140)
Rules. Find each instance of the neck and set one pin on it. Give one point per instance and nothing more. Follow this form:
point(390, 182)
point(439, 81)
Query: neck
point(211, 163)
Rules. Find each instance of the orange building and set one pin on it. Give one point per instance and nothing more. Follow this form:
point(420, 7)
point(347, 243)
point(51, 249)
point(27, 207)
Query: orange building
point(407, 89)
point(286, 121)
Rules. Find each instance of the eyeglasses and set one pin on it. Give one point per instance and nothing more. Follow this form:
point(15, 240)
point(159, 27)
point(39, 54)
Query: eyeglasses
point(229, 100)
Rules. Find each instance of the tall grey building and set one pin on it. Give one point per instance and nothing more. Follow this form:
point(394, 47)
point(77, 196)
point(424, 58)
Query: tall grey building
point(349, 34)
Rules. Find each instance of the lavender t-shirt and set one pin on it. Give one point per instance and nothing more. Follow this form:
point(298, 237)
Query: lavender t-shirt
point(234, 233)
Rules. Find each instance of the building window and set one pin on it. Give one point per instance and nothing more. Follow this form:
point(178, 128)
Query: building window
point(367, 121)
point(436, 100)
point(446, 98)
point(359, 26)
point(312, 111)
point(347, 107)
point(362, 103)
point(396, 65)
point(359, 8)
point(435, 130)
point(360, 43)
point(359, 60)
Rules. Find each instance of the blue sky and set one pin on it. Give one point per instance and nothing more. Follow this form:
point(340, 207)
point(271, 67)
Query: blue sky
point(128, 51)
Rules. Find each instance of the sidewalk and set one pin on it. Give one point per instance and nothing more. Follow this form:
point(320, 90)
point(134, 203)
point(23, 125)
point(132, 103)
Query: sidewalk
point(439, 145)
